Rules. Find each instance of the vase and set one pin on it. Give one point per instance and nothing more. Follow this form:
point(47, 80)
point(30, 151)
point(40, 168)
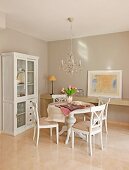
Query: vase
point(69, 99)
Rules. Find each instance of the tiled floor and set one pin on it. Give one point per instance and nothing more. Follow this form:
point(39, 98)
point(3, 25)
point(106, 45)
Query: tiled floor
point(20, 153)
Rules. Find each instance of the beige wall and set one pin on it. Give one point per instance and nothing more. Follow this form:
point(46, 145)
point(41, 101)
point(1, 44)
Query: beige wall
point(11, 40)
point(97, 53)
point(0, 99)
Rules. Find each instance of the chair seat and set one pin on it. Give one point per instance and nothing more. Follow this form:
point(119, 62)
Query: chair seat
point(83, 125)
point(44, 122)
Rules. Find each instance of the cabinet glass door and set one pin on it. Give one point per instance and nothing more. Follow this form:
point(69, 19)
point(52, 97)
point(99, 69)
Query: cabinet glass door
point(21, 77)
point(21, 114)
point(30, 77)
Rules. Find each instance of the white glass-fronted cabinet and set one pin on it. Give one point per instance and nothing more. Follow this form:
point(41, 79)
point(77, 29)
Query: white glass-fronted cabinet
point(20, 89)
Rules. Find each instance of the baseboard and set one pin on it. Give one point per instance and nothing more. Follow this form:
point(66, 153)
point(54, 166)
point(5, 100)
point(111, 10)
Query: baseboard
point(119, 123)
point(6, 133)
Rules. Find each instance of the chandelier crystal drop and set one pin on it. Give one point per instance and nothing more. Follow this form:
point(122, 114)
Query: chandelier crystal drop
point(71, 65)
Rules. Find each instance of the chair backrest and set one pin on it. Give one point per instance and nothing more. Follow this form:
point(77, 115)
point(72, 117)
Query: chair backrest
point(104, 100)
point(35, 112)
point(96, 117)
point(59, 97)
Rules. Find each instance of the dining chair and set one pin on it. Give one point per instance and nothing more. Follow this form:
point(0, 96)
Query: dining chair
point(93, 127)
point(101, 100)
point(59, 97)
point(104, 100)
point(42, 123)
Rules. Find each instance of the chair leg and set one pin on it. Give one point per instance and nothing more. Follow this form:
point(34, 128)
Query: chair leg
point(57, 134)
point(51, 132)
point(87, 138)
point(72, 138)
point(37, 136)
point(34, 132)
point(101, 140)
point(105, 121)
point(90, 145)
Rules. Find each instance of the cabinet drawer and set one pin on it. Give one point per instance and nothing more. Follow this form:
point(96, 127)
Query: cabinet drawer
point(30, 120)
point(30, 115)
point(29, 102)
point(29, 105)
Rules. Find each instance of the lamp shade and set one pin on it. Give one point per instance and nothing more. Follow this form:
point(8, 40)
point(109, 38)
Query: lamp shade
point(52, 78)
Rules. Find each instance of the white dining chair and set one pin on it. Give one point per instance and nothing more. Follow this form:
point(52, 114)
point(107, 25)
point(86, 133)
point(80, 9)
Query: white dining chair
point(42, 123)
point(59, 97)
point(104, 100)
point(93, 127)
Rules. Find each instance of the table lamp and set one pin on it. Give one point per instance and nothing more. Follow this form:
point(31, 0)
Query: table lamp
point(52, 78)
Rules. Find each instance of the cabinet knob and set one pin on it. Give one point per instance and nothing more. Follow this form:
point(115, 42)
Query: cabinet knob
point(30, 101)
point(30, 107)
point(30, 120)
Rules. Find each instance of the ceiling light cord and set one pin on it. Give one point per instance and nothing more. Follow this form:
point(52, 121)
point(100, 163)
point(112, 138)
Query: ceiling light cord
point(71, 65)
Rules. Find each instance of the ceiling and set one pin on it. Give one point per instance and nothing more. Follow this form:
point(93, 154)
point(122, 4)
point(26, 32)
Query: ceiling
point(47, 19)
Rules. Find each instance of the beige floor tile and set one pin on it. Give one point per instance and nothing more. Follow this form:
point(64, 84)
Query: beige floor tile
point(20, 152)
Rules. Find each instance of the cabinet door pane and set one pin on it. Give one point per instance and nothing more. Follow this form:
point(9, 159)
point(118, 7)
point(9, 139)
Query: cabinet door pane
point(21, 114)
point(21, 77)
point(30, 77)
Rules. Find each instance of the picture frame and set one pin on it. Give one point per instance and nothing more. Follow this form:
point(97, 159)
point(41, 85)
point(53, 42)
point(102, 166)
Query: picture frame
point(105, 83)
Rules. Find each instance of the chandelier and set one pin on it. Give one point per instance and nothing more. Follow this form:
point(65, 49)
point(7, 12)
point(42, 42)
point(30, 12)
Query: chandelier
point(71, 64)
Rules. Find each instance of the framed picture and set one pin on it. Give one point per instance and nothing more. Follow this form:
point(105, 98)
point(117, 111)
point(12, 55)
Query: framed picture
point(105, 83)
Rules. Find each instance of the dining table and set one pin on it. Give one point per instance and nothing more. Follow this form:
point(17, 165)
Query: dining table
point(65, 112)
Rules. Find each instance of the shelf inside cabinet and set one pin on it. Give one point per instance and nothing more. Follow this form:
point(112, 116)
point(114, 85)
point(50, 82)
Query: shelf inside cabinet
point(21, 84)
point(30, 71)
point(30, 84)
point(20, 114)
point(22, 71)
point(20, 95)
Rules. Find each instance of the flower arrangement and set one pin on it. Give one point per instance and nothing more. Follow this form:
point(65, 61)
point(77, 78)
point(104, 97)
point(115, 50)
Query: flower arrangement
point(70, 90)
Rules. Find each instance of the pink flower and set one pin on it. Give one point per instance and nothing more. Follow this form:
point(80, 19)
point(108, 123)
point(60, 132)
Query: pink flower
point(70, 87)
